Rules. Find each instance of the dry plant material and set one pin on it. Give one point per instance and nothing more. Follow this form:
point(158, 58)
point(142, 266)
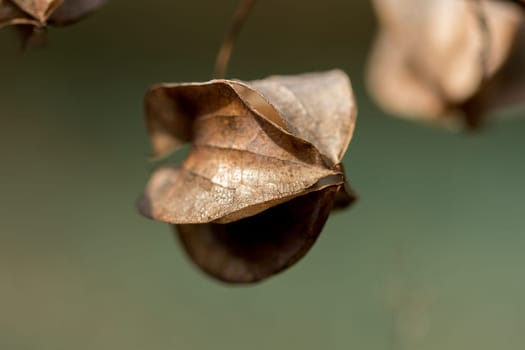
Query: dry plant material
point(263, 173)
point(32, 16)
point(518, 2)
point(442, 61)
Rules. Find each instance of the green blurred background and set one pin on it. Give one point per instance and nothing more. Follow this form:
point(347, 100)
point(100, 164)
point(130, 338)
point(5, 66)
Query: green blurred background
point(431, 257)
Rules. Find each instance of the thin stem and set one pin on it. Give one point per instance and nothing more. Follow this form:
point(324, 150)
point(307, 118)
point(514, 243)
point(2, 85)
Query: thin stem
point(225, 52)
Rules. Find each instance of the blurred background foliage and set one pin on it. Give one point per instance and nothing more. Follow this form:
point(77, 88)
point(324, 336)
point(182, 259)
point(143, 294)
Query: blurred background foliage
point(431, 257)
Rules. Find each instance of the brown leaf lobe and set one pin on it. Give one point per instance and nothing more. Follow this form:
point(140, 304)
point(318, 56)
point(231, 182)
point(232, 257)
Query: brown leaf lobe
point(257, 247)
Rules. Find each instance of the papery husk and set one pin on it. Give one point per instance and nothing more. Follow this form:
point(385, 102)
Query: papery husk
point(439, 61)
point(40, 13)
point(263, 172)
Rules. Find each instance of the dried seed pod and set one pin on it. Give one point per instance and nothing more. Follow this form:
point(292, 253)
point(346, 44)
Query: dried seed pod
point(32, 16)
point(263, 171)
point(439, 61)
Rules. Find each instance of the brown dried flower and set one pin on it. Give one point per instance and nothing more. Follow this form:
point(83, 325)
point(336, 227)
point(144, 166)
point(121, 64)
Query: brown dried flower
point(446, 61)
point(33, 15)
point(263, 172)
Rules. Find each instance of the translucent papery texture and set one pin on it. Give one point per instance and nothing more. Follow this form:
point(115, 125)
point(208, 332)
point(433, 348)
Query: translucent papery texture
point(257, 147)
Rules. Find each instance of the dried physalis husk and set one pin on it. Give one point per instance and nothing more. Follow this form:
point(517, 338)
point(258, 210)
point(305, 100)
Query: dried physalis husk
point(32, 16)
point(263, 172)
point(440, 61)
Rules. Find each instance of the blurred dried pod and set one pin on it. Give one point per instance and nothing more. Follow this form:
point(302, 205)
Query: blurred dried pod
point(32, 16)
point(264, 169)
point(72, 11)
point(441, 61)
point(10, 14)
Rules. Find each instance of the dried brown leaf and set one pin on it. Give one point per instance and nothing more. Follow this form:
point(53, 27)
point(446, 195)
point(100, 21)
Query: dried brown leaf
point(309, 109)
point(255, 146)
point(433, 59)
